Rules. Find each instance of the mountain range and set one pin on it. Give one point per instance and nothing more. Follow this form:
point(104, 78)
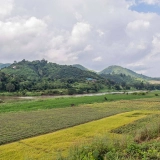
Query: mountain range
point(34, 69)
point(52, 78)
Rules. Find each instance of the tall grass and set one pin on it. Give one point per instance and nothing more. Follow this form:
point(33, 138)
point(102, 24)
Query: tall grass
point(124, 148)
point(148, 132)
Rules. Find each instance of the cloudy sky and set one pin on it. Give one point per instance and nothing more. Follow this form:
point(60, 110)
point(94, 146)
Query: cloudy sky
point(94, 33)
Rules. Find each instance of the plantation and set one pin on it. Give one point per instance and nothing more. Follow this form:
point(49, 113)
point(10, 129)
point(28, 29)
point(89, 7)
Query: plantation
point(120, 126)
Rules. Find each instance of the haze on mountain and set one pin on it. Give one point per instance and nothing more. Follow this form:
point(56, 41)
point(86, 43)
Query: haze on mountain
point(3, 65)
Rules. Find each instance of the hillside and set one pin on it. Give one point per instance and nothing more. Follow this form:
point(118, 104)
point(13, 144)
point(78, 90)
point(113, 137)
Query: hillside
point(3, 65)
point(120, 78)
point(49, 78)
point(80, 67)
point(42, 69)
point(120, 70)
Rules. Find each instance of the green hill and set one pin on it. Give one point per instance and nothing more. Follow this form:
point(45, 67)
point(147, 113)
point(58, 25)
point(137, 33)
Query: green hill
point(42, 69)
point(51, 78)
point(42, 75)
point(3, 65)
point(120, 70)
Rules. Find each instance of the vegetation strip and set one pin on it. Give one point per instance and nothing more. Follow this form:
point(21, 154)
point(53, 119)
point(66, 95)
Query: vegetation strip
point(48, 146)
point(67, 102)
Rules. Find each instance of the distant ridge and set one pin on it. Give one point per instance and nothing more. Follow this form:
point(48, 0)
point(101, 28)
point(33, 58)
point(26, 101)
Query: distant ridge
point(120, 70)
point(3, 65)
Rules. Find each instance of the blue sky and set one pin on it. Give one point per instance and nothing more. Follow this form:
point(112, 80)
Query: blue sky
point(145, 7)
point(93, 33)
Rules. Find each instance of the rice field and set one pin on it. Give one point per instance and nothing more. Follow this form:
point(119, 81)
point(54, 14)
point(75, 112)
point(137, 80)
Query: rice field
point(36, 131)
point(20, 125)
point(49, 146)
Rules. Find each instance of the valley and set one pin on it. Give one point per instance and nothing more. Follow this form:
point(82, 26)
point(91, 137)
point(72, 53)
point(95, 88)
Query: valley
point(50, 111)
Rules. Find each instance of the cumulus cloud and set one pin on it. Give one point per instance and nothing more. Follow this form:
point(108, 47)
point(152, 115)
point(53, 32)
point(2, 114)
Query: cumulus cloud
point(79, 33)
point(95, 34)
point(20, 36)
point(5, 7)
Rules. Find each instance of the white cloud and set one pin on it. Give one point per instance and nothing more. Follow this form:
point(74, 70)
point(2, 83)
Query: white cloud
point(78, 16)
point(150, 2)
point(5, 7)
point(21, 37)
point(88, 48)
point(101, 33)
point(97, 59)
point(138, 24)
point(80, 31)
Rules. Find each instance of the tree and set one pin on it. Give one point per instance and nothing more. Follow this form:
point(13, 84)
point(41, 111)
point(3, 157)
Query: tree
point(10, 87)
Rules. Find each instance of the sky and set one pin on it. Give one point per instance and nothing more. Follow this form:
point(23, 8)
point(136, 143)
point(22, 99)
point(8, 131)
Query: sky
point(93, 33)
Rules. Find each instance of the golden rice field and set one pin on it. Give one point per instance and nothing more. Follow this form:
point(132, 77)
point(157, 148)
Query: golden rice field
point(49, 146)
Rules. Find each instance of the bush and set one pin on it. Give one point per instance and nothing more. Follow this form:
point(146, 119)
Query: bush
point(147, 133)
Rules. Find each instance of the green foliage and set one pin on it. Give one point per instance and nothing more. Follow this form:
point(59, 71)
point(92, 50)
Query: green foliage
point(123, 71)
point(105, 148)
point(65, 102)
point(41, 75)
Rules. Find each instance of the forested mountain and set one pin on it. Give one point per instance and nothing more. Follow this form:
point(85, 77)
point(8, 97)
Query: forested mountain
point(42, 69)
point(80, 67)
point(41, 75)
point(120, 70)
point(51, 78)
point(3, 65)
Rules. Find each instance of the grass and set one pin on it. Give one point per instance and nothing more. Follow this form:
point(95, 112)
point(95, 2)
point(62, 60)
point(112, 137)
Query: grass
point(43, 104)
point(113, 148)
point(50, 145)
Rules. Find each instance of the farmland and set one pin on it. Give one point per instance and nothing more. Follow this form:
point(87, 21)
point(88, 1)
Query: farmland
point(52, 126)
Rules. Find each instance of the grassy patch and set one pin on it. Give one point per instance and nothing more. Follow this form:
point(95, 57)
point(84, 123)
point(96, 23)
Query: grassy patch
point(109, 148)
point(65, 102)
